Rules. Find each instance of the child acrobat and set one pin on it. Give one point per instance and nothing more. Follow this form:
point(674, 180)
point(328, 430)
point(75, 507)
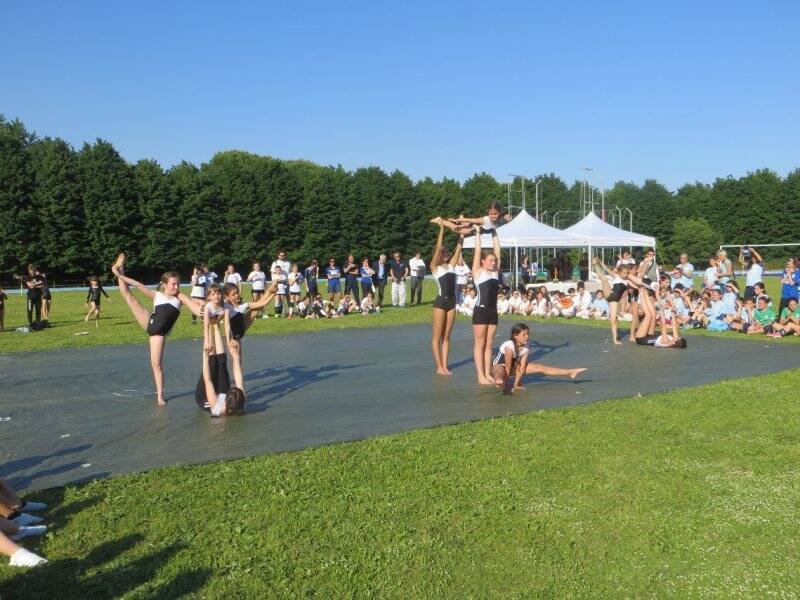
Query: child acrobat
point(93, 299)
point(495, 217)
point(511, 361)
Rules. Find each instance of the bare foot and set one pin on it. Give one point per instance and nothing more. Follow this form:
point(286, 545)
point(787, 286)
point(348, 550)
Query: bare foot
point(441, 372)
point(119, 264)
point(576, 372)
point(617, 343)
point(484, 381)
point(160, 402)
point(436, 220)
point(447, 372)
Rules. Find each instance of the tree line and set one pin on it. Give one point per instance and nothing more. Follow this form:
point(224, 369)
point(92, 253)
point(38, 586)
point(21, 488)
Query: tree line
point(71, 210)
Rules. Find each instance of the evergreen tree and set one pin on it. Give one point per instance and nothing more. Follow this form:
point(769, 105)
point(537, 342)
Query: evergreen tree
point(58, 203)
point(111, 211)
point(18, 228)
point(160, 217)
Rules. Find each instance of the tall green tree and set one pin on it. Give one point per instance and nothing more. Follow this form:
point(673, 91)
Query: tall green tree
point(58, 203)
point(160, 217)
point(18, 228)
point(694, 236)
point(111, 210)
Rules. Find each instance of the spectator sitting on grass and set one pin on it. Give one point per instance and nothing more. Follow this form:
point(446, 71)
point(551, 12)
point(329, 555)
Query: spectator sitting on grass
point(744, 317)
point(502, 303)
point(368, 305)
point(763, 317)
point(789, 318)
point(467, 304)
point(347, 306)
point(729, 297)
point(599, 308)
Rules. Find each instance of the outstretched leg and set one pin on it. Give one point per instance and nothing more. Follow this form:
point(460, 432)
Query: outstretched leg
point(140, 313)
point(553, 371)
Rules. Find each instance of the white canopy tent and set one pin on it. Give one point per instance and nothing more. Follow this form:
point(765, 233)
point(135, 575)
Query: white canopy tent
point(600, 234)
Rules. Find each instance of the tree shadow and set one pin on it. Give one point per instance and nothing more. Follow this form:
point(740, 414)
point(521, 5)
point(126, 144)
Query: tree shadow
point(14, 466)
point(291, 380)
point(67, 578)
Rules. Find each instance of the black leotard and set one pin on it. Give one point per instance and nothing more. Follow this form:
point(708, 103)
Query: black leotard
point(618, 288)
point(166, 311)
point(236, 319)
point(485, 311)
point(93, 295)
point(446, 282)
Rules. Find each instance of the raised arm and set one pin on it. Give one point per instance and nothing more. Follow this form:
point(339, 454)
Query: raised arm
point(496, 245)
point(437, 251)
point(211, 394)
point(476, 258)
point(757, 256)
point(265, 299)
point(457, 251)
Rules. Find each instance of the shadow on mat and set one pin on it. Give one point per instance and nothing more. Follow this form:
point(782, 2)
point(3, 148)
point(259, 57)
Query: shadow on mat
point(20, 464)
point(291, 380)
point(67, 578)
point(537, 349)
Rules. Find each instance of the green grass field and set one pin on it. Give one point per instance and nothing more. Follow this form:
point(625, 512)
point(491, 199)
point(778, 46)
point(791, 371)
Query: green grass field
point(117, 325)
point(692, 493)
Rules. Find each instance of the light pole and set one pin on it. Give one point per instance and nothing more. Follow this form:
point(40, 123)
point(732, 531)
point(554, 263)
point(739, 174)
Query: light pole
point(585, 170)
point(630, 214)
point(538, 181)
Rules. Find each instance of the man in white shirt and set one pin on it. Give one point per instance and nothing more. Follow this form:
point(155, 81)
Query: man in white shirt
point(462, 272)
point(285, 267)
point(416, 267)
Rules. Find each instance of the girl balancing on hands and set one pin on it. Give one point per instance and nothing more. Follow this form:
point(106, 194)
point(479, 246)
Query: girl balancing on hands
point(444, 306)
point(511, 361)
point(158, 324)
point(493, 219)
point(486, 274)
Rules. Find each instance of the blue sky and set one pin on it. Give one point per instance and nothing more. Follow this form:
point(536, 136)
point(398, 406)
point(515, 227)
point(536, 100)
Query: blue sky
point(677, 91)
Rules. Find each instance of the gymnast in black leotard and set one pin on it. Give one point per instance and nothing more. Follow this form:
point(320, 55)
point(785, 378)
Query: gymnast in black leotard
point(620, 289)
point(93, 299)
point(158, 324)
point(238, 318)
point(486, 275)
point(444, 306)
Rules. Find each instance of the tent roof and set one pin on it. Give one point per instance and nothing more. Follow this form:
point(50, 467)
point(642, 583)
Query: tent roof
point(526, 232)
point(599, 233)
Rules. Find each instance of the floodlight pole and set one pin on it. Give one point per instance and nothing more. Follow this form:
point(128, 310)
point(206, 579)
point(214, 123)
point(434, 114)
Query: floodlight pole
point(630, 213)
point(536, 194)
point(585, 170)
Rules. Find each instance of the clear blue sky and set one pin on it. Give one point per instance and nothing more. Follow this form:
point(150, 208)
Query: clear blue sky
point(678, 91)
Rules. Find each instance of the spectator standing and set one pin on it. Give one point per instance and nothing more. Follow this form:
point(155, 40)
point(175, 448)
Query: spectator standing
point(311, 273)
point(753, 265)
point(366, 274)
point(648, 269)
point(724, 267)
point(2, 308)
point(790, 284)
point(381, 276)
point(398, 270)
point(462, 278)
point(351, 278)
point(232, 277)
point(524, 274)
point(34, 283)
point(417, 270)
point(285, 266)
point(687, 270)
point(333, 274)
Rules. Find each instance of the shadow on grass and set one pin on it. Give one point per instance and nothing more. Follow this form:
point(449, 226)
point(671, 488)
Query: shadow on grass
point(96, 577)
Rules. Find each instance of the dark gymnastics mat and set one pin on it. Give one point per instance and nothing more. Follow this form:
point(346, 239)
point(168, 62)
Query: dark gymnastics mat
point(78, 414)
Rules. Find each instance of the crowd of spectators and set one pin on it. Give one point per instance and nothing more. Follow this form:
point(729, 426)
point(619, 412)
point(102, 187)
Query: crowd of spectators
point(714, 301)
